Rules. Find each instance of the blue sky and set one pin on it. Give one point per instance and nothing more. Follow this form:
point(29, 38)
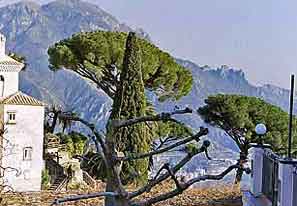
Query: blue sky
point(259, 37)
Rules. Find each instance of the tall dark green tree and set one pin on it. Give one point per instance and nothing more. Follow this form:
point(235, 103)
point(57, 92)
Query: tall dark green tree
point(123, 67)
point(238, 115)
point(131, 103)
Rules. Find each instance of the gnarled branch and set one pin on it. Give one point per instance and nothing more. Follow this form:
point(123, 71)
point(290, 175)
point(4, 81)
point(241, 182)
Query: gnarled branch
point(99, 136)
point(84, 72)
point(165, 116)
point(202, 132)
point(82, 197)
point(183, 186)
point(174, 170)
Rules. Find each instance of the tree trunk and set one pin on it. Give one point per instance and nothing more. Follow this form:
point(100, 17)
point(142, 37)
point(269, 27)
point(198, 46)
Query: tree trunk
point(111, 201)
point(238, 176)
point(54, 123)
point(242, 160)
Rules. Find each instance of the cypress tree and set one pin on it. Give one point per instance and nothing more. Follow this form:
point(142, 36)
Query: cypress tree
point(130, 102)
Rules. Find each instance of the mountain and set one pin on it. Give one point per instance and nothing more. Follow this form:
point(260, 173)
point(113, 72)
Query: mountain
point(30, 28)
point(210, 81)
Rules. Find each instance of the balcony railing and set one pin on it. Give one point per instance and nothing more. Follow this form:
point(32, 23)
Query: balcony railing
point(274, 179)
point(270, 176)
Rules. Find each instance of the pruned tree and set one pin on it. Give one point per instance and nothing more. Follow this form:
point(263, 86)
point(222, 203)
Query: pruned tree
point(124, 66)
point(117, 195)
point(238, 116)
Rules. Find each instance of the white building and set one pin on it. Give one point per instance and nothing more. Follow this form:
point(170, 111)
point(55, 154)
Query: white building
point(21, 117)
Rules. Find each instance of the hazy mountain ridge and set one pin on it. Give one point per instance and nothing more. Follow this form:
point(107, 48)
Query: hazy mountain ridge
point(31, 28)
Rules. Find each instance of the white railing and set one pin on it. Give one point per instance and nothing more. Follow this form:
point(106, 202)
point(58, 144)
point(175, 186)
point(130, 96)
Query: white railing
point(273, 178)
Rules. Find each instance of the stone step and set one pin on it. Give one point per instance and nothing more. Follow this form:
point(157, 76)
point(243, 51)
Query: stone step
point(56, 183)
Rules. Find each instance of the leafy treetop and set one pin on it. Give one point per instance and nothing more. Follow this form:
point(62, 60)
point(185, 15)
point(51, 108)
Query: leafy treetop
point(238, 116)
point(98, 56)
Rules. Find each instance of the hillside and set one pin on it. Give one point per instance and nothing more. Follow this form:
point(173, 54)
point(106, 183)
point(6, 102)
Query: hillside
point(30, 29)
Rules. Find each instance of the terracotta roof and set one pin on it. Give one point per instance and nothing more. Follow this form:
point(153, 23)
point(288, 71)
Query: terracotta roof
point(20, 98)
point(9, 64)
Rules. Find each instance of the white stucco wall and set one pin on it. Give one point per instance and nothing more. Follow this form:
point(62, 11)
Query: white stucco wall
point(2, 45)
point(286, 172)
point(11, 83)
point(27, 132)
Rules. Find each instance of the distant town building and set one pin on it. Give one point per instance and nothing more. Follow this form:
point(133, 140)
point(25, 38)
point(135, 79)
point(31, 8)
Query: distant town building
point(22, 118)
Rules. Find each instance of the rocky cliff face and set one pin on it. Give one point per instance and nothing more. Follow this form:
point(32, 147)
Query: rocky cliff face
point(211, 81)
point(30, 29)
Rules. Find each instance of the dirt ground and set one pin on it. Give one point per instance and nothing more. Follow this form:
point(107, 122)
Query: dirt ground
point(218, 196)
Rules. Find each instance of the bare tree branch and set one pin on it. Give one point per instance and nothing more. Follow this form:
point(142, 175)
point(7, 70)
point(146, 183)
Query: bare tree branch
point(84, 72)
point(202, 132)
point(112, 161)
point(174, 170)
point(170, 173)
point(166, 141)
point(99, 136)
point(165, 116)
point(82, 197)
point(183, 186)
point(167, 167)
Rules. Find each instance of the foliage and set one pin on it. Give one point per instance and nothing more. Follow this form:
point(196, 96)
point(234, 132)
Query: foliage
point(57, 117)
point(19, 58)
point(191, 148)
point(124, 71)
point(94, 166)
point(131, 103)
point(45, 179)
point(123, 67)
point(164, 129)
point(238, 116)
point(102, 53)
point(75, 142)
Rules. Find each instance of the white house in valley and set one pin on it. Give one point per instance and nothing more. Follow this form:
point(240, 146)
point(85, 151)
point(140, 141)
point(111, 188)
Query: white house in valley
point(22, 118)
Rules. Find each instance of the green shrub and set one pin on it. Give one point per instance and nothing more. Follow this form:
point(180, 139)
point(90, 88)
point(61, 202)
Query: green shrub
point(74, 141)
point(45, 179)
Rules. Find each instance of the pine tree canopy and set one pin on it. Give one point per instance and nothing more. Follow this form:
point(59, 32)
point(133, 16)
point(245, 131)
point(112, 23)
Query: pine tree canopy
point(239, 116)
point(98, 56)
